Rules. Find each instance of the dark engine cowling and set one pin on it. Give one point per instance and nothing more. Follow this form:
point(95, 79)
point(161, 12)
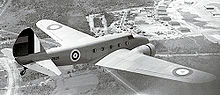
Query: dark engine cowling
point(148, 49)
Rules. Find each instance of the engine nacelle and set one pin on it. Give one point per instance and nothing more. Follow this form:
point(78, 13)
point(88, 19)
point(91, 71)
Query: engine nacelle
point(148, 49)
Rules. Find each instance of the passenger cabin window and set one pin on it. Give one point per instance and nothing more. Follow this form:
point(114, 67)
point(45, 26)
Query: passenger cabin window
point(102, 49)
point(111, 46)
point(119, 44)
point(94, 50)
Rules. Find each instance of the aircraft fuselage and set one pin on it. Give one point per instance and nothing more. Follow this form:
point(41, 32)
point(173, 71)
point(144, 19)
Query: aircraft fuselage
point(91, 52)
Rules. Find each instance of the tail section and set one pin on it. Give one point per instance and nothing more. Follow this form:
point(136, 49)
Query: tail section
point(29, 52)
point(27, 43)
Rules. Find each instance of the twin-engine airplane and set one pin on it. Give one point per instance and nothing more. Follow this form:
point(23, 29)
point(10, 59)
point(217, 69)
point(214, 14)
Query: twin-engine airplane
point(125, 52)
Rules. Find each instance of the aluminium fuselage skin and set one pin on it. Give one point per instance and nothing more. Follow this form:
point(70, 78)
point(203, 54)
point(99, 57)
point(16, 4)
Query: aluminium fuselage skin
point(94, 50)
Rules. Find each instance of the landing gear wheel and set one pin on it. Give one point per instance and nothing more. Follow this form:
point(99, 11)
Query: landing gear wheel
point(23, 71)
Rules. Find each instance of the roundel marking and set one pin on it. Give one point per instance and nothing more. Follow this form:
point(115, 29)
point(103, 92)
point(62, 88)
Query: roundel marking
point(182, 72)
point(75, 55)
point(54, 27)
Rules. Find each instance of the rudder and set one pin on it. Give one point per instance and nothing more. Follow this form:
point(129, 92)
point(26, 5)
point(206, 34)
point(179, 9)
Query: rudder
point(27, 43)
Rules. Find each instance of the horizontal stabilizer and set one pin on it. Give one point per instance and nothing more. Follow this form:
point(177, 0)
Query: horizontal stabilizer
point(46, 67)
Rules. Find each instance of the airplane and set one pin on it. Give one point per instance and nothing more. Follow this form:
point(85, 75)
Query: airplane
point(124, 51)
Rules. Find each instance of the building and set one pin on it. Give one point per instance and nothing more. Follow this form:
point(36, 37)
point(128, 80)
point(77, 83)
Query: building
point(165, 18)
point(162, 13)
point(149, 8)
point(174, 23)
point(188, 1)
point(210, 8)
point(184, 29)
point(162, 8)
point(216, 14)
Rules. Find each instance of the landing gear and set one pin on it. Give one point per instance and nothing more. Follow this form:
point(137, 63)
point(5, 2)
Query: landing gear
point(23, 71)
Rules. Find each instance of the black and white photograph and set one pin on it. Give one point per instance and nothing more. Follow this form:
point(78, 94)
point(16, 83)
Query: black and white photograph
point(109, 47)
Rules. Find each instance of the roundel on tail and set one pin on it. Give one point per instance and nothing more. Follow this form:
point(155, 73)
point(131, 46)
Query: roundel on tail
point(75, 55)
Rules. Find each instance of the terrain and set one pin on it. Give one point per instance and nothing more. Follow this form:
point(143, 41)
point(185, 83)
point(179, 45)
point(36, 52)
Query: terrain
point(197, 49)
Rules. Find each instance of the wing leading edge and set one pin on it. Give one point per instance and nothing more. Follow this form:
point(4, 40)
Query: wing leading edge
point(125, 60)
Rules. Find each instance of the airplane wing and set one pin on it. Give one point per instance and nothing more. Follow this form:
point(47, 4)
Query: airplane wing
point(46, 67)
point(61, 33)
point(125, 60)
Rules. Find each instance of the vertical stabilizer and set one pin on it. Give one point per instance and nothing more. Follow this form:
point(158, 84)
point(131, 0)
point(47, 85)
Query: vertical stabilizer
point(27, 43)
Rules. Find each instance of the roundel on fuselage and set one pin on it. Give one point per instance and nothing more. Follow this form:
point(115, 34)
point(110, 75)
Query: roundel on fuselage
point(75, 55)
point(54, 27)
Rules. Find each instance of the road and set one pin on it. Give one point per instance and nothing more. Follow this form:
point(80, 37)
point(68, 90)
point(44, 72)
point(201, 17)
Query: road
point(10, 66)
point(13, 76)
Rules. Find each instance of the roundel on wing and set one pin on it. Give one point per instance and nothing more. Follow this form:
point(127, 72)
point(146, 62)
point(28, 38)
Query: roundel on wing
point(54, 26)
point(182, 72)
point(75, 55)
